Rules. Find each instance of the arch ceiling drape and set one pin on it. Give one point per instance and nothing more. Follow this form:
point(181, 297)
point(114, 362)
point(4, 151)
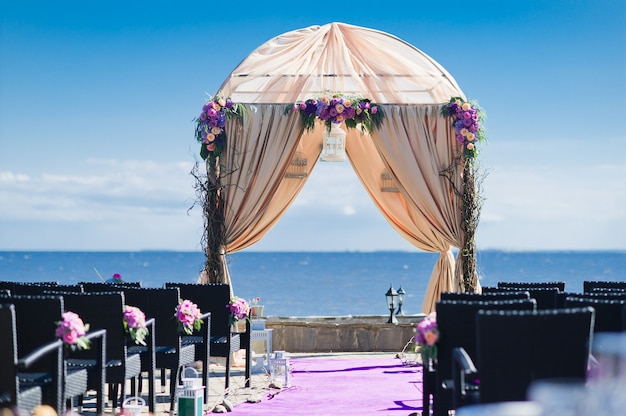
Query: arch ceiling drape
point(413, 145)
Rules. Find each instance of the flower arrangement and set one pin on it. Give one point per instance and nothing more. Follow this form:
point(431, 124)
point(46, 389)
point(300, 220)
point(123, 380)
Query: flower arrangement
point(135, 324)
point(337, 109)
point(211, 122)
point(71, 330)
point(116, 278)
point(239, 309)
point(256, 310)
point(426, 337)
point(188, 316)
point(467, 120)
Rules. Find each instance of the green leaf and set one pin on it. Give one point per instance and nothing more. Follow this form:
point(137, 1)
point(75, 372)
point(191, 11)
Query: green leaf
point(204, 152)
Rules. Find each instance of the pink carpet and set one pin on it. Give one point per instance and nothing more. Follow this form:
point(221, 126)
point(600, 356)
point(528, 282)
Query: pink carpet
point(343, 386)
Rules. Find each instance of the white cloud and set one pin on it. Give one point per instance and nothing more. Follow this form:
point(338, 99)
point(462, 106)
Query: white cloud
point(571, 196)
point(572, 202)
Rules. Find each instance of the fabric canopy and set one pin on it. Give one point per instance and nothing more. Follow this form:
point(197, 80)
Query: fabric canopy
point(413, 146)
point(339, 58)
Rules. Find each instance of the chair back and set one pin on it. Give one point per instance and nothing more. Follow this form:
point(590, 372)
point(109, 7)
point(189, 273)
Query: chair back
point(35, 289)
point(515, 348)
point(546, 297)
point(607, 290)
point(532, 285)
point(8, 284)
point(107, 287)
point(210, 297)
point(36, 317)
point(101, 310)
point(456, 322)
point(521, 294)
point(160, 304)
point(608, 311)
point(590, 285)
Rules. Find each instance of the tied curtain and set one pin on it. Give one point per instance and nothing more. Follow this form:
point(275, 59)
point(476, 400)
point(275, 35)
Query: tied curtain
point(414, 144)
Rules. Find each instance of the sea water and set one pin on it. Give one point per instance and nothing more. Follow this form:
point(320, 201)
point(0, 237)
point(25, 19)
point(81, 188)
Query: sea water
point(314, 283)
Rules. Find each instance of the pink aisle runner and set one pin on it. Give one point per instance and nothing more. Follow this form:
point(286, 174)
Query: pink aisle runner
point(343, 386)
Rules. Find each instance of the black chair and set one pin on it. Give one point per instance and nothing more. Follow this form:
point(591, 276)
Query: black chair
point(504, 295)
point(532, 285)
point(13, 392)
point(34, 289)
point(590, 285)
point(607, 290)
point(147, 352)
point(456, 322)
point(170, 353)
point(36, 320)
point(214, 298)
point(546, 297)
point(105, 310)
point(10, 285)
point(610, 295)
point(608, 311)
point(106, 287)
point(514, 348)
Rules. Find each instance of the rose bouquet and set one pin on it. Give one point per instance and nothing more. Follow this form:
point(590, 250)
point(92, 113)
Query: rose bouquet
point(211, 123)
point(71, 330)
point(337, 109)
point(239, 309)
point(188, 316)
point(426, 337)
point(135, 324)
point(467, 120)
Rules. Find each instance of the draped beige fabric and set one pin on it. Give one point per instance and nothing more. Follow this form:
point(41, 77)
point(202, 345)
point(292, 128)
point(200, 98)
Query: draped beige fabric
point(413, 145)
point(343, 58)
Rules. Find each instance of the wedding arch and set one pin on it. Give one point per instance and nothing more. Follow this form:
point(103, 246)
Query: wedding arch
point(414, 164)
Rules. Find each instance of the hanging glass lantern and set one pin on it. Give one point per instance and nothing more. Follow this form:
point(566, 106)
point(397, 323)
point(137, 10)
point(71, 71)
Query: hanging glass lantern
point(334, 144)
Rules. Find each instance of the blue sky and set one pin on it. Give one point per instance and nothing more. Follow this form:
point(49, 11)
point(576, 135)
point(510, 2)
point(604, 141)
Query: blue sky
point(97, 101)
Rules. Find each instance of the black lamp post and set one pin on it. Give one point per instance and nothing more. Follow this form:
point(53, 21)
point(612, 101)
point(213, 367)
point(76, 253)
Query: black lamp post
point(401, 294)
point(391, 296)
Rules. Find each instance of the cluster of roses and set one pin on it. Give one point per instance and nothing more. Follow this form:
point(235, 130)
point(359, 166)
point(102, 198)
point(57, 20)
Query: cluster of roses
point(211, 122)
point(466, 120)
point(339, 109)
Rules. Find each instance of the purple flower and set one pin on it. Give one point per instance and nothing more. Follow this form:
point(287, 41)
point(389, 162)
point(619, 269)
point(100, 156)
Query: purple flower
point(239, 308)
point(188, 316)
point(71, 330)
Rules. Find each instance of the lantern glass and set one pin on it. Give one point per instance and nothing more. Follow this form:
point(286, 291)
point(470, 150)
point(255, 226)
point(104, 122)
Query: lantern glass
point(401, 294)
point(391, 296)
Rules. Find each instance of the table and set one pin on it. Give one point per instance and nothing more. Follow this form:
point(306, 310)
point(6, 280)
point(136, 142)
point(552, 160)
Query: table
point(263, 335)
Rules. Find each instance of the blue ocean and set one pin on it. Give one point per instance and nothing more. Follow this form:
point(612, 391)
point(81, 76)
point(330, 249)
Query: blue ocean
point(314, 283)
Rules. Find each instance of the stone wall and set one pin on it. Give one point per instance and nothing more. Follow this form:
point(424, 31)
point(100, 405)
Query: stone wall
point(341, 334)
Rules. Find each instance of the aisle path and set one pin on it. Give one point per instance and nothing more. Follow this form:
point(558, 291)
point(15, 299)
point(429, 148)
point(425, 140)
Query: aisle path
point(327, 382)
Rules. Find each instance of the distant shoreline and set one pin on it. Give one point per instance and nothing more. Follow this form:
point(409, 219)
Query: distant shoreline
point(556, 251)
